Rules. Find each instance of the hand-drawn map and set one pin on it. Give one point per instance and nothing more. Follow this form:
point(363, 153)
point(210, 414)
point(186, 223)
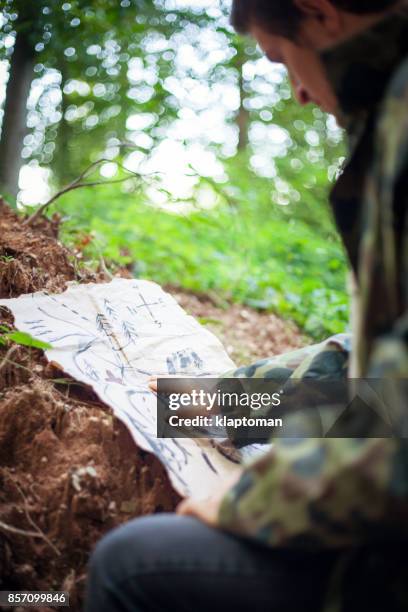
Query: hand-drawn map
point(113, 337)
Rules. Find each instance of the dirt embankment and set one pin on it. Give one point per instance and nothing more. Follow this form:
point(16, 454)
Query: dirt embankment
point(69, 471)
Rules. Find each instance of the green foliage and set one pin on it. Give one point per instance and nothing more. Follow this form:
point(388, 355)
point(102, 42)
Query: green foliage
point(97, 63)
point(21, 338)
point(250, 251)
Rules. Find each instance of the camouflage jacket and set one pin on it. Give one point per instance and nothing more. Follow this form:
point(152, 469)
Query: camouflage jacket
point(343, 492)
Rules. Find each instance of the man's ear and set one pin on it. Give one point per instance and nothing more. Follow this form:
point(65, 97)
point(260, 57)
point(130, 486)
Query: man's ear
point(323, 11)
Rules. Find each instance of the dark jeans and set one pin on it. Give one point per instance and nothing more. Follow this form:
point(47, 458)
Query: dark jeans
point(168, 563)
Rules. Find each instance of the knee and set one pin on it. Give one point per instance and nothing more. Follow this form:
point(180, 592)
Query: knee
point(117, 557)
point(107, 555)
point(118, 552)
point(132, 547)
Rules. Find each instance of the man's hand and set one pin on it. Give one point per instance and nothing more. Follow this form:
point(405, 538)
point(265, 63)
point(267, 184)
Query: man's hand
point(207, 510)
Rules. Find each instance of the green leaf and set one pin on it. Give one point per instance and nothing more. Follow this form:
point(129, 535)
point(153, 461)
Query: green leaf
point(27, 340)
point(209, 321)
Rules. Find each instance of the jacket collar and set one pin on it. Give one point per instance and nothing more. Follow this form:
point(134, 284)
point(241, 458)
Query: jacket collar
point(360, 69)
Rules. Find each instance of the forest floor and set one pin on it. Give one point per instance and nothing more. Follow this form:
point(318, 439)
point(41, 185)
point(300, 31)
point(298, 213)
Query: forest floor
point(69, 470)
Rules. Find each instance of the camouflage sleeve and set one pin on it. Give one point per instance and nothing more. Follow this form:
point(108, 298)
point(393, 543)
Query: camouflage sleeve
point(320, 492)
point(340, 491)
point(388, 194)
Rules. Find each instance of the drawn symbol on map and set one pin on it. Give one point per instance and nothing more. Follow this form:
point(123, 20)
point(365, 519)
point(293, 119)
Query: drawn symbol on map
point(184, 361)
point(148, 306)
point(90, 371)
point(110, 309)
point(110, 377)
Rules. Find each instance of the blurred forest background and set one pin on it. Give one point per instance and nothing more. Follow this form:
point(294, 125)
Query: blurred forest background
point(218, 181)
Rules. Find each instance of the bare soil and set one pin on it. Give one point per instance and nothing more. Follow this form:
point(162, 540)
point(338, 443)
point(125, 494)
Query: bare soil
point(247, 334)
point(69, 470)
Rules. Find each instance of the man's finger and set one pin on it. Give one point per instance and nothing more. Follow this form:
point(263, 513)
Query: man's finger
point(154, 378)
point(152, 383)
point(185, 507)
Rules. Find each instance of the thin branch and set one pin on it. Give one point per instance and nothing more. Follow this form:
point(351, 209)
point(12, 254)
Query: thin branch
point(15, 364)
point(6, 358)
point(38, 531)
point(70, 187)
point(104, 268)
point(57, 381)
point(81, 402)
point(78, 184)
point(11, 529)
point(62, 381)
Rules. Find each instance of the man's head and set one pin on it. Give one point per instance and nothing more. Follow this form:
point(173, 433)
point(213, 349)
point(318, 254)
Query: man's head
point(293, 32)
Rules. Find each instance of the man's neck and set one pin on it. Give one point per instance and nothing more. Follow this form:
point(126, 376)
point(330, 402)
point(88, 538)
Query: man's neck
point(360, 68)
point(353, 24)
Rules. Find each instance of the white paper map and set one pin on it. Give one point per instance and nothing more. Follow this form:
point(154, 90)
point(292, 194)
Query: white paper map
point(113, 337)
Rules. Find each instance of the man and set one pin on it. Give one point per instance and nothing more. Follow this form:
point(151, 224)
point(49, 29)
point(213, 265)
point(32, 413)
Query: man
point(316, 523)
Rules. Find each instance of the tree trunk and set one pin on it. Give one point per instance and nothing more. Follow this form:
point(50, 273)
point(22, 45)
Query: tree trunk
point(15, 114)
point(242, 115)
point(61, 166)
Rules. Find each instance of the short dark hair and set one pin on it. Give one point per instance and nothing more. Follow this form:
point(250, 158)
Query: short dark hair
point(283, 16)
